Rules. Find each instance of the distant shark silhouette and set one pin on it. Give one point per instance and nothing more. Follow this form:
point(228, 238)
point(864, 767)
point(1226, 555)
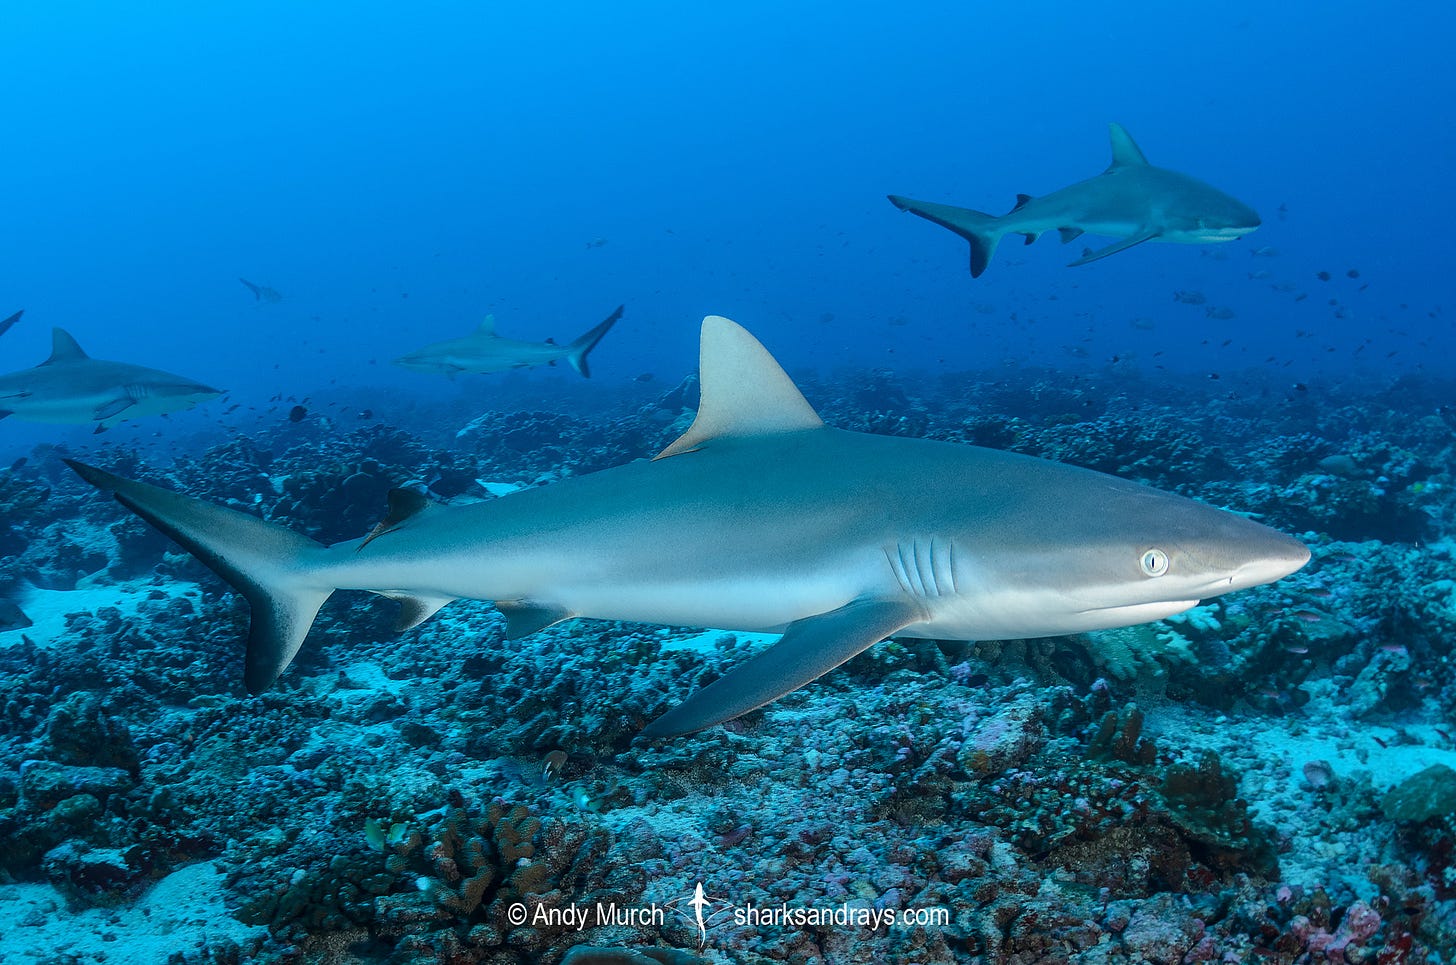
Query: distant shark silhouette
point(759, 517)
point(1132, 200)
point(8, 323)
point(262, 293)
point(483, 351)
point(71, 388)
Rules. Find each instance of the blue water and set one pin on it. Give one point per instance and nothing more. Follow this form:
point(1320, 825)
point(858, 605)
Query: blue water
point(396, 173)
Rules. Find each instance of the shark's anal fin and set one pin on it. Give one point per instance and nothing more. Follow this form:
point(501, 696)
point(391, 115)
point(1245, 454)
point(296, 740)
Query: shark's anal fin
point(809, 648)
point(745, 392)
point(1147, 234)
point(403, 504)
point(414, 608)
point(525, 617)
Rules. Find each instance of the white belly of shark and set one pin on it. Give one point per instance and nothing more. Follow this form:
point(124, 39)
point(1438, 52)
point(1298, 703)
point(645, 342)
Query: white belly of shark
point(758, 517)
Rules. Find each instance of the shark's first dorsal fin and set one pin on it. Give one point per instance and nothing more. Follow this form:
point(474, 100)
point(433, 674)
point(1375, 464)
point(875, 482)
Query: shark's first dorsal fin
point(744, 391)
point(64, 347)
point(487, 326)
point(1125, 152)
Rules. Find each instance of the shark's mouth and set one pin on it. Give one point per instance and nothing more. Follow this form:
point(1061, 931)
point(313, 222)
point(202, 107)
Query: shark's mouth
point(1141, 612)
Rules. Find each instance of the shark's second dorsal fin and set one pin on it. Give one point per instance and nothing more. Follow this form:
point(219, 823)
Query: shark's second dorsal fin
point(1125, 152)
point(64, 347)
point(403, 504)
point(745, 392)
point(487, 326)
point(1022, 200)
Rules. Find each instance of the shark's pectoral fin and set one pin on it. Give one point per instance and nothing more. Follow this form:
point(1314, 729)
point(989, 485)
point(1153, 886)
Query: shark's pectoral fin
point(415, 609)
point(1147, 234)
point(525, 617)
point(809, 648)
point(115, 407)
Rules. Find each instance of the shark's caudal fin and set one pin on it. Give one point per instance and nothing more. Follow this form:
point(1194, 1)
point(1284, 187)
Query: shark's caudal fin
point(576, 351)
point(982, 230)
point(272, 567)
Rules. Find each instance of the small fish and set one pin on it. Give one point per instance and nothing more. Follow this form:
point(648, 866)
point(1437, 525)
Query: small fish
point(1267, 251)
point(1188, 297)
point(1323, 276)
point(1352, 273)
point(297, 414)
point(1221, 312)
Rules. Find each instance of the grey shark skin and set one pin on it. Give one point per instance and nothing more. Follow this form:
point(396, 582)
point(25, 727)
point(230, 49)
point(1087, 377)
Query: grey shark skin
point(759, 517)
point(71, 388)
point(483, 351)
point(1132, 200)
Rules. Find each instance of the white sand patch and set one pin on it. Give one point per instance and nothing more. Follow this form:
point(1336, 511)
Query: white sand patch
point(178, 914)
point(707, 640)
point(48, 609)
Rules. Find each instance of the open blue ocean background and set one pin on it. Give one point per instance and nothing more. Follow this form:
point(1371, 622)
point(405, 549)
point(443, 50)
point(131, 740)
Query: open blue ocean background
point(398, 172)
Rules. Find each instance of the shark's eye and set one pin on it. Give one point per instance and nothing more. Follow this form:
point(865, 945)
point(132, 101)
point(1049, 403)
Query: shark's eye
point(1154, 562)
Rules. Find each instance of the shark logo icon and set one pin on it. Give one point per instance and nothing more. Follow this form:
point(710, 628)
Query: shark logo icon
point(701, 902)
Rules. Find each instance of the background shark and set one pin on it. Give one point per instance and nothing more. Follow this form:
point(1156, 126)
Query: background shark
point(483, 351)
point(1132, 200)
point(72, 388)
point(759, 517)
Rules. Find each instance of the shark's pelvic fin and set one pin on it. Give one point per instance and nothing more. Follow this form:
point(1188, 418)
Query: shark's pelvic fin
point(525, 617)
point(1069, 234)
point(809, 648)
point(1125, 152)
point(982, 230)
point(267, 564)
point(64, 348)
point(744, 391)
point(577, 350)
point(1147, 234)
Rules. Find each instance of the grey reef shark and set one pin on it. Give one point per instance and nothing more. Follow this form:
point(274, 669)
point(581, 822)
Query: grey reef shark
point(483, 351)
point(1132, 200)
point(71, 388)
point(759, 517)
point(262, 293)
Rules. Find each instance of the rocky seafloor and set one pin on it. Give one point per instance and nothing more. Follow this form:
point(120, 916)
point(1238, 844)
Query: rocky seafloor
point(1268, 778)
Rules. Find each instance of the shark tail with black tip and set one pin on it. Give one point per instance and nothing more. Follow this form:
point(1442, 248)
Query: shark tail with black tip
point(982, 230)
point(576, 352)
point(279, 572)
